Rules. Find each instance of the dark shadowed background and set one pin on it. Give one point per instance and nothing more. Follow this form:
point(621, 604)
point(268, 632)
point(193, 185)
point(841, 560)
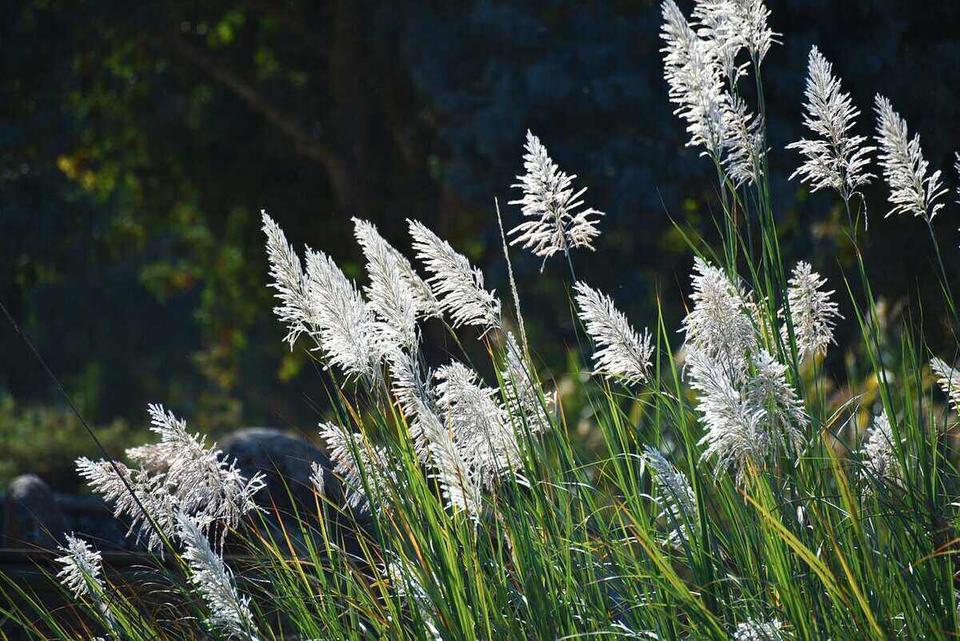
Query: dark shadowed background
point(138, 142)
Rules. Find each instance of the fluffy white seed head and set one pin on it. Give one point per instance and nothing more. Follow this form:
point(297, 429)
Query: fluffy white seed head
point(812, 311)
point(450, 469)
point(621, 353)
point(674, 494)
point(720, 322)
point(694, 74)
point(480, 426)
point(732, 26)
point(948, 378)
point(229, 611)
point(759, 631)
point(344, 325)
point(878, 452)
point(457, 285)
point(286, 273)
point(834, 158)
point(912, 190)
point(81, 569)
point(744, 143)
point(556, 217)
point(357, 461)
point(526, 403)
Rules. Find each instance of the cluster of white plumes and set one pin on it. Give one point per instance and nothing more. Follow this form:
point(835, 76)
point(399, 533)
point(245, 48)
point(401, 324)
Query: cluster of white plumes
point(760, 631)
point(702, 69)
point(464, 432)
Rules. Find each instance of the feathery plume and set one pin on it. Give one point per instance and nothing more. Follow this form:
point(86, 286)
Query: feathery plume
point(558, 221)
point(114, 482)
point(480, 426)
point(748, 408)
point(355, 461)
point(396, 294)
point(675, 495)
point(229, 612)
point(460, 492)
point(732, 26)
point(622, 353)
point(456, 284)
point(912, 191)
point(948, 378)
point(318, 478)
point(526, 403)
point(286, 272)
point(344, 324)
point(744, 143)
point(812, 311)
point(877, 451)
point(694, 76)
point(406, 583)
point(413, 393)
point(835, 159)
point(720, 322)
point(82, 569)
point(759, 631)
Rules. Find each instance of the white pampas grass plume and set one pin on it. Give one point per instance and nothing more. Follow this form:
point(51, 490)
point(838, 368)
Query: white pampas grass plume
point(719, 323)
point(744, 143)
point(460, 492)
point(135, 494)
point(748, 408)
point(344, 323)
point(396, 294)
point(558, 220)
point(480, 426)
point(200, 480)
point(693, 73)
point(912, 191)
point(834, 159)
point(286, 273)
point(732, 26)
point(456, 284)
point(81, 569)
point(621, 353)
point(317, 478)
point(877, 451)
point(526, 404)
point(812, 311)
point(361, 465)
point(675, 495)
point(948, 378)
point(229, 612)
point(759, 631)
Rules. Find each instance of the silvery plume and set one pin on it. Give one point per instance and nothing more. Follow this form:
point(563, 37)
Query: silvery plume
point(396, 294)
point(556, 217)
point(480, 426)
point(878, 451)
point(457, 285)
point(732, 26)
point(694, 74)
point(526, 403)
point(912, 190)
point(720, 322)
point(81, 568)
point(621, 352)
point(760, 631)
point(323, 303)
point(812, 311)
point(230, 612)
point(744, 143)
point(364, 467)
point(948, 378)
point(178, 474)
point(674, 494)
point(834, 158)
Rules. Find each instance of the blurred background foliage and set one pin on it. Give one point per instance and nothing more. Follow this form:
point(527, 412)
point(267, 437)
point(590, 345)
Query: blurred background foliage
point(138, 142)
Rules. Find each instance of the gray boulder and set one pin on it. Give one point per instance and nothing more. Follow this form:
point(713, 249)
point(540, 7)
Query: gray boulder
point(31, 516)
point(285, 461)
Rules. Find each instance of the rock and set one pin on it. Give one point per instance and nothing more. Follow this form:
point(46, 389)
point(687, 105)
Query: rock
point(31, 516)
point(285, 461)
